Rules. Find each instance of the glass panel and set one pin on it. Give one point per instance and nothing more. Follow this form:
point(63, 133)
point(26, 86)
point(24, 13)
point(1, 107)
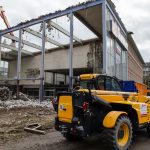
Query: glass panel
point(3, 69)
point(101, 83)
point(116, 56)
point(124, 65)
point(115, 85)
point(108, 84)
point(118, 61)
point(87, 84)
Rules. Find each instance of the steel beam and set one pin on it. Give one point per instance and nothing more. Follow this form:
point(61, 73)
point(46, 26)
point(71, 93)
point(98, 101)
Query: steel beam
point(41, 90)
point(59, 28)
point(13, 48)
point(104, 37)
point(71, 53)
point(23, 41)
point(37, 34)
point(115, 15)
point(51, 16)
point(14, 79)
point(19, 61)
point(88, 25)
point(127, 65)
point(6, 56)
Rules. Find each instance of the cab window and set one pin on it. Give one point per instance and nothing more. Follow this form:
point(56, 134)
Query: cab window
point(108, 84)
point(101, 83)
point(87, 84)
point(115, 85)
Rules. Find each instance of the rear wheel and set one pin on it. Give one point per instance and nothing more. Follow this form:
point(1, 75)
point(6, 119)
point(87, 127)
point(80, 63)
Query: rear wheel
point(148, 130)
point(71, 137)
point(119, 137)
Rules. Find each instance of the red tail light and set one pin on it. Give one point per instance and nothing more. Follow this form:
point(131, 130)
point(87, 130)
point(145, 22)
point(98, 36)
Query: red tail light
point(85, 106)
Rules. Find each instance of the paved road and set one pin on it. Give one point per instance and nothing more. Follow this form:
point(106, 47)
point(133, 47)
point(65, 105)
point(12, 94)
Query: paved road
point(55, 141)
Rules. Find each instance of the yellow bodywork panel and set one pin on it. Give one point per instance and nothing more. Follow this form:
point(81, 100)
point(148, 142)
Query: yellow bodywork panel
point(87, 76)
point(142, 110)
point(65, 109)
point(111, 118)
point(140, 103)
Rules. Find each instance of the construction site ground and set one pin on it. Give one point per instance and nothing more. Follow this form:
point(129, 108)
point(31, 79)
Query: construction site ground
point(53, 140)
point(13, 137)
point(13, 119)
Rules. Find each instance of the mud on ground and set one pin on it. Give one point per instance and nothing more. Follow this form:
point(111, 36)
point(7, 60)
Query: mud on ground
point(13, 121)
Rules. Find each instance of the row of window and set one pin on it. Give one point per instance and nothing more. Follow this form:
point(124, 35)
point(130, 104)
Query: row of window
point(116, 56)
point(3, 69)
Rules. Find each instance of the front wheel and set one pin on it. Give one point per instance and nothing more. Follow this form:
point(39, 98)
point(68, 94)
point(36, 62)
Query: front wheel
point(119, 137)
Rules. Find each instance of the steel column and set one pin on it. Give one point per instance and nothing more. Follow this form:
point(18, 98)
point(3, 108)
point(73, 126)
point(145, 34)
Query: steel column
point(41, 89)
point(19, 61)
point(0, 48)
point(115, 69)
point(51, 16)
point(71, 53)
point(121, 65)
point(127, 65)
point(104, 37)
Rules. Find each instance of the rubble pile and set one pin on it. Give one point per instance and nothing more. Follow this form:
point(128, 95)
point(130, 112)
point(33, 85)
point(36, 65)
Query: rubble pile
point(4, 93)
point(9, 104)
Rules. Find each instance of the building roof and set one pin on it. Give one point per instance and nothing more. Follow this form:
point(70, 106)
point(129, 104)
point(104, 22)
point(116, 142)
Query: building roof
point(80, 11)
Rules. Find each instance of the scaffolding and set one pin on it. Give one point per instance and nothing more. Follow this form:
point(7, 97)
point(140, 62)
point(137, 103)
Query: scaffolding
point(74, 11)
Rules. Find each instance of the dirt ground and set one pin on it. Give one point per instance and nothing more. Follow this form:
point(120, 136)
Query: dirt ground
point(53, 140)
point(13, 121)
point(13, 136)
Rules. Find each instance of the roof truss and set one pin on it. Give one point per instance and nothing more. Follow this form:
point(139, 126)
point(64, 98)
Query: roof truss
point(59, 28)
point(37, 34)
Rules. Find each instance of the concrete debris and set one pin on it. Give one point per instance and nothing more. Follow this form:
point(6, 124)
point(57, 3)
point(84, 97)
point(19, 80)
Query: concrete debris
point(34, 128)
point(4, 93)
point(10, 104)
point(23, 97)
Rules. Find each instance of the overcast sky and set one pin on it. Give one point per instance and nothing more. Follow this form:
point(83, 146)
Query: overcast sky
point(134, 14)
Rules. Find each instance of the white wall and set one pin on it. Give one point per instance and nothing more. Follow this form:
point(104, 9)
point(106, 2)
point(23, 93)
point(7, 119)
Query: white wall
point(55, 60)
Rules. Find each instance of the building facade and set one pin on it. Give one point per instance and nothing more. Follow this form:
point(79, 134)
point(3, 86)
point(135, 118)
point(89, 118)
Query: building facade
point(112, 51)
point(146, 72)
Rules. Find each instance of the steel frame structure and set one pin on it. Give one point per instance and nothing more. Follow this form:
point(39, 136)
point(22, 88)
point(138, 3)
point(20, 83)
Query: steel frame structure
point(45, 19)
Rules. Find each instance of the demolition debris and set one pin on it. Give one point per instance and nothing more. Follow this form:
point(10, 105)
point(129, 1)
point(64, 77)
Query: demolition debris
point(9, 104)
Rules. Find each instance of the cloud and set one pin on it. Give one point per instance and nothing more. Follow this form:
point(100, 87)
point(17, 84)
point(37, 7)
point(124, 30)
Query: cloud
point(20, 10)
point(135, 16)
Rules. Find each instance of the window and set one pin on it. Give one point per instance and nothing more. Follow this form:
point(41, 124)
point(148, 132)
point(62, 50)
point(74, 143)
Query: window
point(87, 84)
point(3, 68)
point(101, 83)
point(108, 84)
point(115, 85)
point(112, 85)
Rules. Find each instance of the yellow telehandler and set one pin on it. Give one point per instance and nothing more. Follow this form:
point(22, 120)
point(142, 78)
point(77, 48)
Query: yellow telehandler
point(103, 104)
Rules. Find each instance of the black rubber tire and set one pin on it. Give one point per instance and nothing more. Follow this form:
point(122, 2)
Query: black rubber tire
point(111, 135)
point(71, 137)
point(148, 130)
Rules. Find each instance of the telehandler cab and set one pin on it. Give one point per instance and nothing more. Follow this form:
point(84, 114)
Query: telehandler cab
point(99, 105)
